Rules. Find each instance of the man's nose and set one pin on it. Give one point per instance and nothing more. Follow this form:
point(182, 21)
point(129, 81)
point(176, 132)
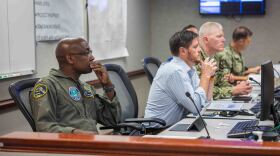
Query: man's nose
point(224, 40)
point(91, 58)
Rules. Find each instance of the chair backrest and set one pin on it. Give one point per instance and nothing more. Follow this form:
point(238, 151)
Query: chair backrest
point(151, 66)
point(20, 92)
point(124, 90)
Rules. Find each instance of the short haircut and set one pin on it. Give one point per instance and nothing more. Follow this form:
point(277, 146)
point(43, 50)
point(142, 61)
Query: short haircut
point(181, 39)
point(208, 27)
point(241, 32)
point(188, 27)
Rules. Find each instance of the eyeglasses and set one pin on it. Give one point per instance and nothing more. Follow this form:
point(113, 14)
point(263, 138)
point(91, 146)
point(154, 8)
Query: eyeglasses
point(87, 53)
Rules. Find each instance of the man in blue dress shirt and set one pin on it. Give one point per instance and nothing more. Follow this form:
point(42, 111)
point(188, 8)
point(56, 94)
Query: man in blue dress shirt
point(167, 99)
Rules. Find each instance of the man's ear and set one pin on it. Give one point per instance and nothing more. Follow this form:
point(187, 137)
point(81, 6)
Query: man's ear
point(205, 39)
point(183, 51)
point(69, 59)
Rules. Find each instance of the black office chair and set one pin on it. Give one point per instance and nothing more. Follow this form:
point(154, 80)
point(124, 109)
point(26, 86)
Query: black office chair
point(130, 124)
point(20, 91)
point(151, 65)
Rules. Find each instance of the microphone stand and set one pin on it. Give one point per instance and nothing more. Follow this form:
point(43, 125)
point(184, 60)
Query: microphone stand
point(251, 79)
point(189, 96)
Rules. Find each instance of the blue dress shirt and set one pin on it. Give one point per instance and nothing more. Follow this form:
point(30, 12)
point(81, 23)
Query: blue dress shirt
point(167, 99)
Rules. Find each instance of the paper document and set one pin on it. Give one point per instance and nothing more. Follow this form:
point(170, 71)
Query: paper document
point(225, 105)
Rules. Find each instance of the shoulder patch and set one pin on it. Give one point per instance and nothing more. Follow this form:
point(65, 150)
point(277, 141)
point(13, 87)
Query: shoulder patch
point(74, 93)
point(40, 90)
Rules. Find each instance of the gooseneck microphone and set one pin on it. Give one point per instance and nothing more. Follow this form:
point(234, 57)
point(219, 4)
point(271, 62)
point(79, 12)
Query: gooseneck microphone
point(190, 97)
point(251, 79)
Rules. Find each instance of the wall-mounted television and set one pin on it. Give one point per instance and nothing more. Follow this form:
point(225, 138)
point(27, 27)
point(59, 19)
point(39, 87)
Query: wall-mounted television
point(232, 7)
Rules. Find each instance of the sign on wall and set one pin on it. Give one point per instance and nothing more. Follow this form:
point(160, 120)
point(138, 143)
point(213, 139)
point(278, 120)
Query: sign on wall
point(107, 28)
point(56, 19)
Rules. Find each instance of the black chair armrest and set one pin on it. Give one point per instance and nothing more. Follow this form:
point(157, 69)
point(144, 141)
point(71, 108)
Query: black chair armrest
point(123, 125)
point(147, 120)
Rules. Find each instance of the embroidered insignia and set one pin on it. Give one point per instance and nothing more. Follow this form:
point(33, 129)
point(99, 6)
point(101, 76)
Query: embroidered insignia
point(74, 93)
point(87, 91)
point(40, 90)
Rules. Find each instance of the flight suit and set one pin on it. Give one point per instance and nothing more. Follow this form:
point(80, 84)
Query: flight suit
point(60, 104)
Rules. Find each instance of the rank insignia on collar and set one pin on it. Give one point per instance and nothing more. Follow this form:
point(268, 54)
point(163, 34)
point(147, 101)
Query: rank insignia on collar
point(40, 90)
point(74, 93)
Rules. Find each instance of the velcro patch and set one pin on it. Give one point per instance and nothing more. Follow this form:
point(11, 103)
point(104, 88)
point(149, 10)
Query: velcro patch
point(87, 91)
point(40, 90)
point(74, 93)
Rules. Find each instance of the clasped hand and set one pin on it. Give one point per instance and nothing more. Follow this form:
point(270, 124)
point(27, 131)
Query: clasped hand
point(208, 67)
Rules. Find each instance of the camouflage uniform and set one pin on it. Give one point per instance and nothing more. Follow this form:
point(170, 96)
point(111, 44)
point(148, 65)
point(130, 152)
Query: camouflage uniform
point(60, 104)
point(231, 62)
point(222, 89)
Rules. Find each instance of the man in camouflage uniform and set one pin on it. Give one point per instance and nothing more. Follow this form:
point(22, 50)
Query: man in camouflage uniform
point(231, 62)
point(62, 103)
point(212, 41)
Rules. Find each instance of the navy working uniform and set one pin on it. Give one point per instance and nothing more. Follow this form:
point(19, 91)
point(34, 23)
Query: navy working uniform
point(61, 104)
point(222, 89)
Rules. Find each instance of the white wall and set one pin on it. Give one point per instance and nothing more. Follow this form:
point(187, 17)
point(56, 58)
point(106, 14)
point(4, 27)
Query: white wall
point(168, 16)
point(138, 44)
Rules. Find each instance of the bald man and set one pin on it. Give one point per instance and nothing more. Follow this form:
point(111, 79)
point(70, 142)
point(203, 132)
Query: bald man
point(61, 103)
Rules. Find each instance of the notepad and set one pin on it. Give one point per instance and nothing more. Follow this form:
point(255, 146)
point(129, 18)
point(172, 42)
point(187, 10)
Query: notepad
point(225, 106)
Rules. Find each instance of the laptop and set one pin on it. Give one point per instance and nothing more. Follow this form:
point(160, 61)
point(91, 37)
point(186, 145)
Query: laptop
point(196, 125)
point(225, 106)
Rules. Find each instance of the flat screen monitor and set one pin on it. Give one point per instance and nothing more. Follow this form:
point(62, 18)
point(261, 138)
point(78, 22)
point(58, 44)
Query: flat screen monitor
point(267, 90)
point(232, 7)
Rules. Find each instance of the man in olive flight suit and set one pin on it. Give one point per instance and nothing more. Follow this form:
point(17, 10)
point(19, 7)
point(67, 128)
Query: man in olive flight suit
point(231, 62)
point(61, 103)
point(211, 42)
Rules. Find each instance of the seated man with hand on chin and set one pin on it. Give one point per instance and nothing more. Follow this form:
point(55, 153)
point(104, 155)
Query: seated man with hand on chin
point(62, 103)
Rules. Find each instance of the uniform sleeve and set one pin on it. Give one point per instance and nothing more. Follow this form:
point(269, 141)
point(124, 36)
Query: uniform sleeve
point(108, 111)
point(43, 103)
point(222, 88)
point(222, 92)
point(224, 63)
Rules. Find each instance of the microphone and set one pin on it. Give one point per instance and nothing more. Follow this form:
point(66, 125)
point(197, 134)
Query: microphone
point(189, 96)
point(251, 79)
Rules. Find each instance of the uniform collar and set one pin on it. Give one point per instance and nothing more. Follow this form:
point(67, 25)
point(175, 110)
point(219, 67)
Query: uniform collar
point(59, 73)
point(203, 55)
point(235, 53)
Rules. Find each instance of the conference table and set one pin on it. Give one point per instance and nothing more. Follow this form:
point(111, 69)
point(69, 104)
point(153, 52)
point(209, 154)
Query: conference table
point(218, 129)
point(22, 143)
point(218, 126)
point(165, 143)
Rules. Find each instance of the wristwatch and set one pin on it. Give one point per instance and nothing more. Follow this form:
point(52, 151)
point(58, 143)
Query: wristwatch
point(109, 89)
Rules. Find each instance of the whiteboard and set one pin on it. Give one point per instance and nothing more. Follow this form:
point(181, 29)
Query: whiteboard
point(17, 38)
